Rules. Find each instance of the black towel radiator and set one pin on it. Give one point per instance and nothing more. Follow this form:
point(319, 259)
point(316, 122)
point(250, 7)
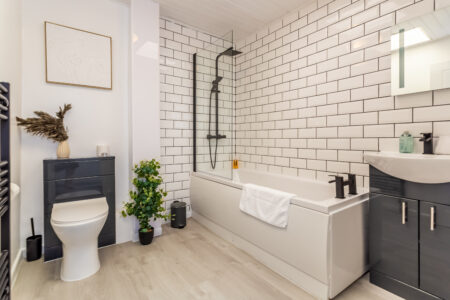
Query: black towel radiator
point(5, 259)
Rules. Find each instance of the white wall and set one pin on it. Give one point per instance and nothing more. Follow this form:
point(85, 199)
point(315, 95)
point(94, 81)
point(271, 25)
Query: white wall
point(313, 90)
point(144, 112)
point(10, 71)
point(98, 116)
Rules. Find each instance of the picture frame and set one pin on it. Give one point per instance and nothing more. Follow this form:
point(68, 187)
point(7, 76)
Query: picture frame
point(77, 57)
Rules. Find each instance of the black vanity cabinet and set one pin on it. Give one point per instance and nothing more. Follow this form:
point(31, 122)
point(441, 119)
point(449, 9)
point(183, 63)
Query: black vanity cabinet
point(394, 237)
point(409, 237)
point(435, 249)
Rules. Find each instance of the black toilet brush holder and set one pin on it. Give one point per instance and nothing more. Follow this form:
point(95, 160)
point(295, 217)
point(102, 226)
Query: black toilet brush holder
point(34, 245)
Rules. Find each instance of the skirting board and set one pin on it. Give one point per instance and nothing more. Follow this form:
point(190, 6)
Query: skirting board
point(16, 265)
point(297, 277)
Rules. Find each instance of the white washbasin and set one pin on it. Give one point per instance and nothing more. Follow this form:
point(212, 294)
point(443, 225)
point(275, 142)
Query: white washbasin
point(422, 168)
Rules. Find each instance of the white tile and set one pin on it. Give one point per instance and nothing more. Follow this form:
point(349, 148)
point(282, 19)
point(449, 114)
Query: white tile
point(299, 23)
point(339, 167)
point(364, 118)
point(350, 131)
point(328, 20)
point(352, 9)
point(366, 15)
point(377, 50)
point(351, 83)
point(338, 97)
point(351, 58)
point(298, 163)
point(317, 14)
point(380, 23)
point(327, 110)
point(339, 120)
point(378, 104)
point(365, 41)
point(339, 26)
point(434, 113)
point(377, 77)
point(337, 50)
point(350, 156)
point(327, 65)
point(379, 130)
point(329, 43)
point(338, 4)
point(351, 107)
point(327, 132)
point(415, 129)
point(289, 18)
point(392, 5)
point(327, 154)
point(364, 67)
point(317, 122)
point(364, 144)
point(359, 169)
point(442, 97)
point(395, 116)
point(316, 164)
point(340, 143)
point(338, 74)
point(414, 100)
point(364, 93)
point(351, 34)
point(441, 129)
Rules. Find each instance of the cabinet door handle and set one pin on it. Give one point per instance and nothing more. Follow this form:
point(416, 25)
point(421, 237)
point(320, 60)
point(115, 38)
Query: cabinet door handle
point(432, 218)
point(404, 211)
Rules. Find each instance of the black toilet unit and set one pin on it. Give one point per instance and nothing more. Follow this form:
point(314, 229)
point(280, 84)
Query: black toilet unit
point(178, 214)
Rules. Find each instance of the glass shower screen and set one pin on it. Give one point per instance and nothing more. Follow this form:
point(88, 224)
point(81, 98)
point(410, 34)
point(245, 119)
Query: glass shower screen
point(214, 107)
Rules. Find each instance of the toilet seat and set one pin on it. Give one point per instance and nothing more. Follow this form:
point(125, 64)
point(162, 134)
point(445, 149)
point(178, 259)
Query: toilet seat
point(76, 212)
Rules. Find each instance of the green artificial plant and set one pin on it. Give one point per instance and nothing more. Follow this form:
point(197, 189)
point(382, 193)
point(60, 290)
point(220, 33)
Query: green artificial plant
point(147, 197)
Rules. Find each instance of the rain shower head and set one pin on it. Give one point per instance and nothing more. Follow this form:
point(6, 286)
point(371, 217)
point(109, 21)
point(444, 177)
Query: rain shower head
point(230, 52)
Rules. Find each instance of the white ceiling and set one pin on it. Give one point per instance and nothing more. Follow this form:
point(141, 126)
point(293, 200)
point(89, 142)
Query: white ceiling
point(218, 17)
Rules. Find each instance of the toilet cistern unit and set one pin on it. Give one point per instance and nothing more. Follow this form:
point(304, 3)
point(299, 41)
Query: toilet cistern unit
point(78, 224)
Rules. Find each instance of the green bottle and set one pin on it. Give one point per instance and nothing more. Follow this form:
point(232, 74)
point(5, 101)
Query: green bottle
point(406, 143)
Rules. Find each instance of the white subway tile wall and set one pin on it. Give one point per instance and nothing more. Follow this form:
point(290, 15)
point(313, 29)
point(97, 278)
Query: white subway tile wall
point(177, 45)
point(313, 90)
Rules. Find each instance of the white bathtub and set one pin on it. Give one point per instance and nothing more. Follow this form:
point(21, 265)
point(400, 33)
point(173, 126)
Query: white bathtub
point(322, 250)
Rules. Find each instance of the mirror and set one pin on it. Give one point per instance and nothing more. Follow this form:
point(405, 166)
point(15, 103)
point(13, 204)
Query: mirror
point(420, 54)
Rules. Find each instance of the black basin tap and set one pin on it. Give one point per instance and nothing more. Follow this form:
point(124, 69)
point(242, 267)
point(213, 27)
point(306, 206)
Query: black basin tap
point(427, 140)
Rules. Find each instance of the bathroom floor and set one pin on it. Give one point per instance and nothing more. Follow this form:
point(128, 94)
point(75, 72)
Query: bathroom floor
point(192, 263)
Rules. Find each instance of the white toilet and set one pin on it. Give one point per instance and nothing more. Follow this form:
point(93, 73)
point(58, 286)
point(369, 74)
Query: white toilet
point(78, 224)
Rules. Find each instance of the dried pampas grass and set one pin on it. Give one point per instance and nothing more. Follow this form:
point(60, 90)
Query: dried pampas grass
point(46, 125)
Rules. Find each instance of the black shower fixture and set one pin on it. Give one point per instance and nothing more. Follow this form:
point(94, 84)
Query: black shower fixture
point(215, 89)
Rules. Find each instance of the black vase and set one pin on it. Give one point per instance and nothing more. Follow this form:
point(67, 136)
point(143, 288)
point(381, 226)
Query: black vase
point(146, 238)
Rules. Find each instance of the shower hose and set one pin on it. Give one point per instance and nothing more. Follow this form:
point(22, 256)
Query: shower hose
point(213, 161)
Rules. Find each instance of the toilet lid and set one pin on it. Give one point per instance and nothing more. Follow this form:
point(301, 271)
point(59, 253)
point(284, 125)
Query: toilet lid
point(77, 211)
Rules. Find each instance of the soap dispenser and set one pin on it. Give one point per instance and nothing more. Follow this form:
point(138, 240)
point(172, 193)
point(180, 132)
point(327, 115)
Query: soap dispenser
point(406, 143)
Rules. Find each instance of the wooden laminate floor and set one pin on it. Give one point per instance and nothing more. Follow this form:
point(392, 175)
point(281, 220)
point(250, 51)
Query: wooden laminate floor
point(192, 263)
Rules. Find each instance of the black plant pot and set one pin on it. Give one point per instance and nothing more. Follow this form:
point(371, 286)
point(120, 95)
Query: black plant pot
point(146, 238)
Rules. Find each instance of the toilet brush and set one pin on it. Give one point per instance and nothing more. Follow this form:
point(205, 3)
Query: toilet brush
point(34, 245)
point(32, 226)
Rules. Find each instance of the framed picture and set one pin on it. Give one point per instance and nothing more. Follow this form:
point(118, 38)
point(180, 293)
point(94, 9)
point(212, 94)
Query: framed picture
point(77, 57)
